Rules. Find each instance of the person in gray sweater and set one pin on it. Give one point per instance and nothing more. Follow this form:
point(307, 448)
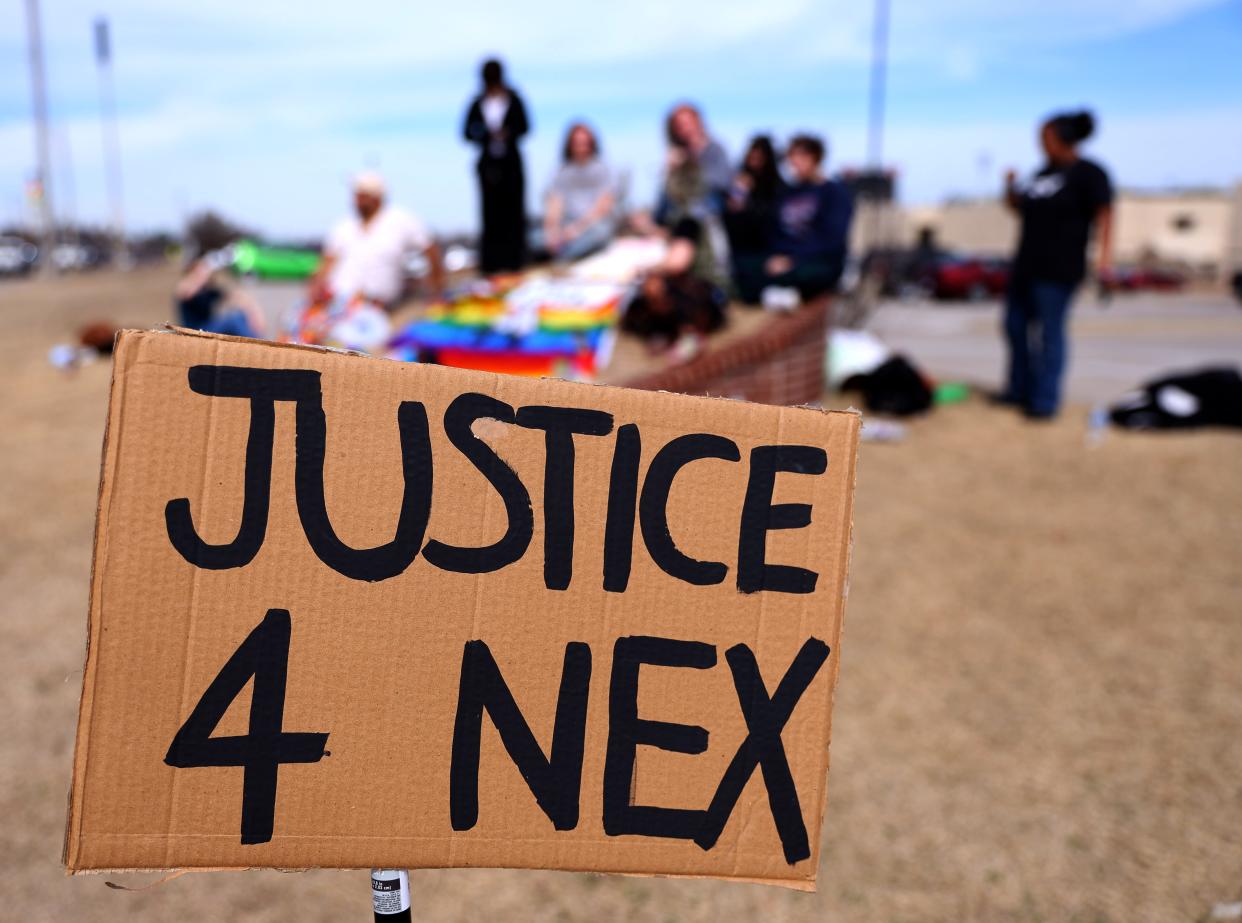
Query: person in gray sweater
point(580, 208)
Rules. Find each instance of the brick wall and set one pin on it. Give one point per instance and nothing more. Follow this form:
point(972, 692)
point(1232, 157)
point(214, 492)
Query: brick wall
point(782, 363)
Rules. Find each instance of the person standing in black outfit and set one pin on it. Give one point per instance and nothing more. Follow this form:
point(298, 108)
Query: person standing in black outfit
point(1058, 208)
point(495, 122)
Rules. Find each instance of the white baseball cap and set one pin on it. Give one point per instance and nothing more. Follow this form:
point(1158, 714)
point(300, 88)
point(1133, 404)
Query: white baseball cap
point(370, 182)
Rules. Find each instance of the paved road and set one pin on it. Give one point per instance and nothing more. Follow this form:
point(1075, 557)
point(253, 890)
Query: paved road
point(1113, 347)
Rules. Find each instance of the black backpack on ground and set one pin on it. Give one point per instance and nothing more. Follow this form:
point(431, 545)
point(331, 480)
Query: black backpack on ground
point(1207, 397)
point(896, 388)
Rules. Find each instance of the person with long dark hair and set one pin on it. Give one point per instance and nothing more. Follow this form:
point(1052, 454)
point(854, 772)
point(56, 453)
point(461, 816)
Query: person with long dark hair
point(495, 122)
point(1058, 208)
point(750, 210)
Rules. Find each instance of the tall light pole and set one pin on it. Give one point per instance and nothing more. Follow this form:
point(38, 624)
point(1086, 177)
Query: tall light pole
point(38, 90)
point(879, 74)
point(111, 138)
point(878, 210)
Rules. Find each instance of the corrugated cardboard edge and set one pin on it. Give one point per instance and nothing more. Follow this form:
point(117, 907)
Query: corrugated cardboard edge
point(332, 351)
point(844, 563)
point(127, 342)
point(806, 886)
point(73, 817)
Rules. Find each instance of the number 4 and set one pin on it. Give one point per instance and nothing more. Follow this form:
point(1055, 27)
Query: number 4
point(265, 656)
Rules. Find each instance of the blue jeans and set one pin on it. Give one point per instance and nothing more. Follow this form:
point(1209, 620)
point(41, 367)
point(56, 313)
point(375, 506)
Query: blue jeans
point(1035, 317)
point(593, 238)
point(231, 323)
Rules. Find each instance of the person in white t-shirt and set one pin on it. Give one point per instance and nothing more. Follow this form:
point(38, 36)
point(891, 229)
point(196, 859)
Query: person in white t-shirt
point(365, 253)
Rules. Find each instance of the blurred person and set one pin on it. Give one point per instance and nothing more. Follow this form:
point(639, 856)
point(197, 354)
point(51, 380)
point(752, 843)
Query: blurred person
point(675, 307)
point(579, 209)
point(365, 254)
point(202, 304)
point(750, 209)
point(495, 122)
point(1058, 208)
point(697, 172)
point(697, 175)
point(810, 235)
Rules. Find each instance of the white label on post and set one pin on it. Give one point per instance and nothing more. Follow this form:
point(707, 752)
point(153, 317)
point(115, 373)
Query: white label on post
point(390, 890)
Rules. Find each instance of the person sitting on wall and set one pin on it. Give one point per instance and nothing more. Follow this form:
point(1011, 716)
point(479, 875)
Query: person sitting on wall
point(202, 304)
point(811, 233)
point(697, 176)
point(750, 208)
point(578, 214)
point(364, 256)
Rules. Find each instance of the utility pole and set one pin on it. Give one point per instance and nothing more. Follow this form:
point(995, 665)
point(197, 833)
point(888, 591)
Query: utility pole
point(38, 89)
point(879, 74)
point(880, 206)
point(111, 140)
point(67, 187)
point(875, 189)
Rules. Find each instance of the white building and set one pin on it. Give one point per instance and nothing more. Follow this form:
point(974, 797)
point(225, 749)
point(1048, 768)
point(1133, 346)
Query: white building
point(1196, 231)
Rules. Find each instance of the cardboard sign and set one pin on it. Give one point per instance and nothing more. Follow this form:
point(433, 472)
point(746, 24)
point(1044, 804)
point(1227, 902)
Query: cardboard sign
point(354, 613)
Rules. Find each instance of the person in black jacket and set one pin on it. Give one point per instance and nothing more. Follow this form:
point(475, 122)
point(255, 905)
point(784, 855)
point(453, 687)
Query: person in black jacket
point(495, 122)
point(750, 210)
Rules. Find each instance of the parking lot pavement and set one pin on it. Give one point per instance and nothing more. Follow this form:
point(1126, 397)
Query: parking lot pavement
point(1114, 345)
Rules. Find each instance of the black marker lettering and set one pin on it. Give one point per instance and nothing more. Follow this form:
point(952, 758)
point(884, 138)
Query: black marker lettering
point(760, 516)
point(626, 731)
point(622, 496)
point(262, 387)
point(382, 561)
point(653, 506)
point(265, 656)
point(556, 782)
point(765, 719)
point(458, 419)
point(559, 425)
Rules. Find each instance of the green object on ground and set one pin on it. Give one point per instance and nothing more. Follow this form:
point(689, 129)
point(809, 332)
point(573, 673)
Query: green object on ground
point(951, 392)
point(252, 259)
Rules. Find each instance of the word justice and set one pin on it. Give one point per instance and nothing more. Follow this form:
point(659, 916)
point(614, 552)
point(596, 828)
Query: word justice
point(627, 499)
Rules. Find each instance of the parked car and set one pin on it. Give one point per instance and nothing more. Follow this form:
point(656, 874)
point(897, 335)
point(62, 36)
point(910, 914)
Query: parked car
point(79, 256)
point(931, 273)
point(893, 270)
point(964, 277)
point(1131, 279)
point(17, 256)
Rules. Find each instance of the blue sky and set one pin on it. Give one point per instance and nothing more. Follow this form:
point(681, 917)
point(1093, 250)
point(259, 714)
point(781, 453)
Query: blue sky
point(263, 111)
